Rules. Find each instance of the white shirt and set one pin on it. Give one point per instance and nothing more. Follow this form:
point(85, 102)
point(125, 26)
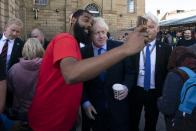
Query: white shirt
point(10, 47)
point(95, 49)
point(82, 45)
point(140, 79)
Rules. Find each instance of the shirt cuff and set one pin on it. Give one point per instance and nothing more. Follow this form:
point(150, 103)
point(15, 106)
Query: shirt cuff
point(86, 103)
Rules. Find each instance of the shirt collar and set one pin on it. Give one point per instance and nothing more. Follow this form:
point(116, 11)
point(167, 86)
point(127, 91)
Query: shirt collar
point(103, 47)
point(152, 43)
point(4, 38)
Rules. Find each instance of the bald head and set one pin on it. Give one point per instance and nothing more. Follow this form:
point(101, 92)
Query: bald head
point(187, 34)
point(38, 33)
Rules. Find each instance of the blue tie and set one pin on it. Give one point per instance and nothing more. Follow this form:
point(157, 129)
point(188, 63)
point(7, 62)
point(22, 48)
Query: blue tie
point(147, 74)
point(102, 75)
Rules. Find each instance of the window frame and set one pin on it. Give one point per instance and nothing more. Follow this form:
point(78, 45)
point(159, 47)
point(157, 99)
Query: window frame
point(40, 3)
point(131, 6)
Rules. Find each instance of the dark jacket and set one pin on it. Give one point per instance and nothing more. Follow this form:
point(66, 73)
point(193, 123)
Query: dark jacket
point(16, 51)
point(162, 55)
point(168, 105)
point(99, 93)
point(2, 67)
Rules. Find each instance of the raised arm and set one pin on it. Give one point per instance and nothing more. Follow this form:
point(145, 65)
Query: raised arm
point(77, 71)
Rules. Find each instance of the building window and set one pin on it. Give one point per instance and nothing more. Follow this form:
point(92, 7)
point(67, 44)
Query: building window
point(93, 9)
point(41, 2)
point(130, 6)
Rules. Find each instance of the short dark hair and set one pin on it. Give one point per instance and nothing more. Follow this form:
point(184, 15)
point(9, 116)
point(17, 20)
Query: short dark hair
point(80, 12)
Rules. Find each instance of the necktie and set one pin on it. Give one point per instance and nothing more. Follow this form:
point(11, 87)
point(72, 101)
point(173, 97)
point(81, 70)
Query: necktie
point(102, 75)
point(147, 74)
point(4, 51)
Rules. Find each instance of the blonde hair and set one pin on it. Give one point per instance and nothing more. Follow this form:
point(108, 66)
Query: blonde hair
point(32, 49)
point(99, 21)
point(15, 21)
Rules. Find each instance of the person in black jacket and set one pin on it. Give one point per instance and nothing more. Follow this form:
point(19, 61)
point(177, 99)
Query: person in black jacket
point(15, 44)
point(187, 40)
point(11, 48)
point(145, 95)
point(104, 111)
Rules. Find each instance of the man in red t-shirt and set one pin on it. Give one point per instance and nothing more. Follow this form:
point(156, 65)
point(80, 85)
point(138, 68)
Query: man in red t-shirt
point(59, 87)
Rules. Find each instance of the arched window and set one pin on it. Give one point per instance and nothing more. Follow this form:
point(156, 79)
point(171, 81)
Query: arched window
point(130, 6)
point(94, 9)
point(41, 2)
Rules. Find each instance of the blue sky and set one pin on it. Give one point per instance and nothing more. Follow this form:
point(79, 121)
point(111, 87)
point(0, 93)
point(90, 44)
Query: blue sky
point(169, 5)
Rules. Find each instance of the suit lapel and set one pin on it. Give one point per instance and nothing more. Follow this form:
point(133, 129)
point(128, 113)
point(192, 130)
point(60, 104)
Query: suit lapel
point(108, 45)
point(158, 56)
point(15, 50)
point(90, 50)
point(137, 57)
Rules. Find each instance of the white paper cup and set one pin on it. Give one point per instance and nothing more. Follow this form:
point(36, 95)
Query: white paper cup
point(117, 88)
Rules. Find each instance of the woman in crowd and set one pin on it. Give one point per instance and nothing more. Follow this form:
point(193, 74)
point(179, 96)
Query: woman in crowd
point(22, 77)
point(168, 104)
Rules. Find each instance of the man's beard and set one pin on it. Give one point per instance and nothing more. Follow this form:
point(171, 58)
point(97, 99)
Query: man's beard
point(81, 35)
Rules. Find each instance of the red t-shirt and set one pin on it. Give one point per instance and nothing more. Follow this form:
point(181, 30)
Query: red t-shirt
point(55, 105)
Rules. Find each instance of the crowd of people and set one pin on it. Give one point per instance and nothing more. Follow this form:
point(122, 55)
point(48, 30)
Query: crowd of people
point(179, 38)
point(43, 85)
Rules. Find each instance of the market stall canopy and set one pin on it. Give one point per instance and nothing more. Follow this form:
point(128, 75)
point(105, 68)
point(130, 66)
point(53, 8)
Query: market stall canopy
point(187, 20)
point(172, 22)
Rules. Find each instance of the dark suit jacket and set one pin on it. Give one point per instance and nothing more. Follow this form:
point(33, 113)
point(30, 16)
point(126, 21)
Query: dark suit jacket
point(2, 71)
point(16, 51)
point(99, 93)
point(15, 55)
point(163, 52)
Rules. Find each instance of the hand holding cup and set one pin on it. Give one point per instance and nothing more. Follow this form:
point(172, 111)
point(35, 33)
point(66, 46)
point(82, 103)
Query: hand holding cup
point(120, 91)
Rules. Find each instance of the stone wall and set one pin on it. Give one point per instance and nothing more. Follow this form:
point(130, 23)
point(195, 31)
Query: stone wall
point(8, 9)
point(50, 18)
point(53, 18)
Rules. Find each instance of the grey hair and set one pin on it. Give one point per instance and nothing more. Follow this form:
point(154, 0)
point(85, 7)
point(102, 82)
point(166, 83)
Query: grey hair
point(99, 21)
point(39, 30)
point(15, 21)
point(149, 15)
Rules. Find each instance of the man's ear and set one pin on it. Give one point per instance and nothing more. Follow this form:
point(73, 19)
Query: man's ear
point(5, 28)
point(73, 20)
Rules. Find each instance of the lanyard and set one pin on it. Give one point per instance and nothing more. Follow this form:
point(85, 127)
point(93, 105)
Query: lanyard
point(144, 57)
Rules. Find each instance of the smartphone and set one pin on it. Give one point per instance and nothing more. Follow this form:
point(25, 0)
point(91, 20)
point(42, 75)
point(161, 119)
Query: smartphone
point(142, 21)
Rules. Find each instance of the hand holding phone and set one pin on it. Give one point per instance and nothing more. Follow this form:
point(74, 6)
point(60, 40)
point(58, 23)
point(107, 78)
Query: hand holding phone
point(142, 21)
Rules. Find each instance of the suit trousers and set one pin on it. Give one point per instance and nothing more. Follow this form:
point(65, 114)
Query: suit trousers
point(103, 122)
point(139, 98)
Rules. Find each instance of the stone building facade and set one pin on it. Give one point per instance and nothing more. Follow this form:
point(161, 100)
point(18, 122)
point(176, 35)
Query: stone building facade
point(53, 15)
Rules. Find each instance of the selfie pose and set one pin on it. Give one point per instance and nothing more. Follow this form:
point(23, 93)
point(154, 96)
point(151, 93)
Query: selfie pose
point(104, 110)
